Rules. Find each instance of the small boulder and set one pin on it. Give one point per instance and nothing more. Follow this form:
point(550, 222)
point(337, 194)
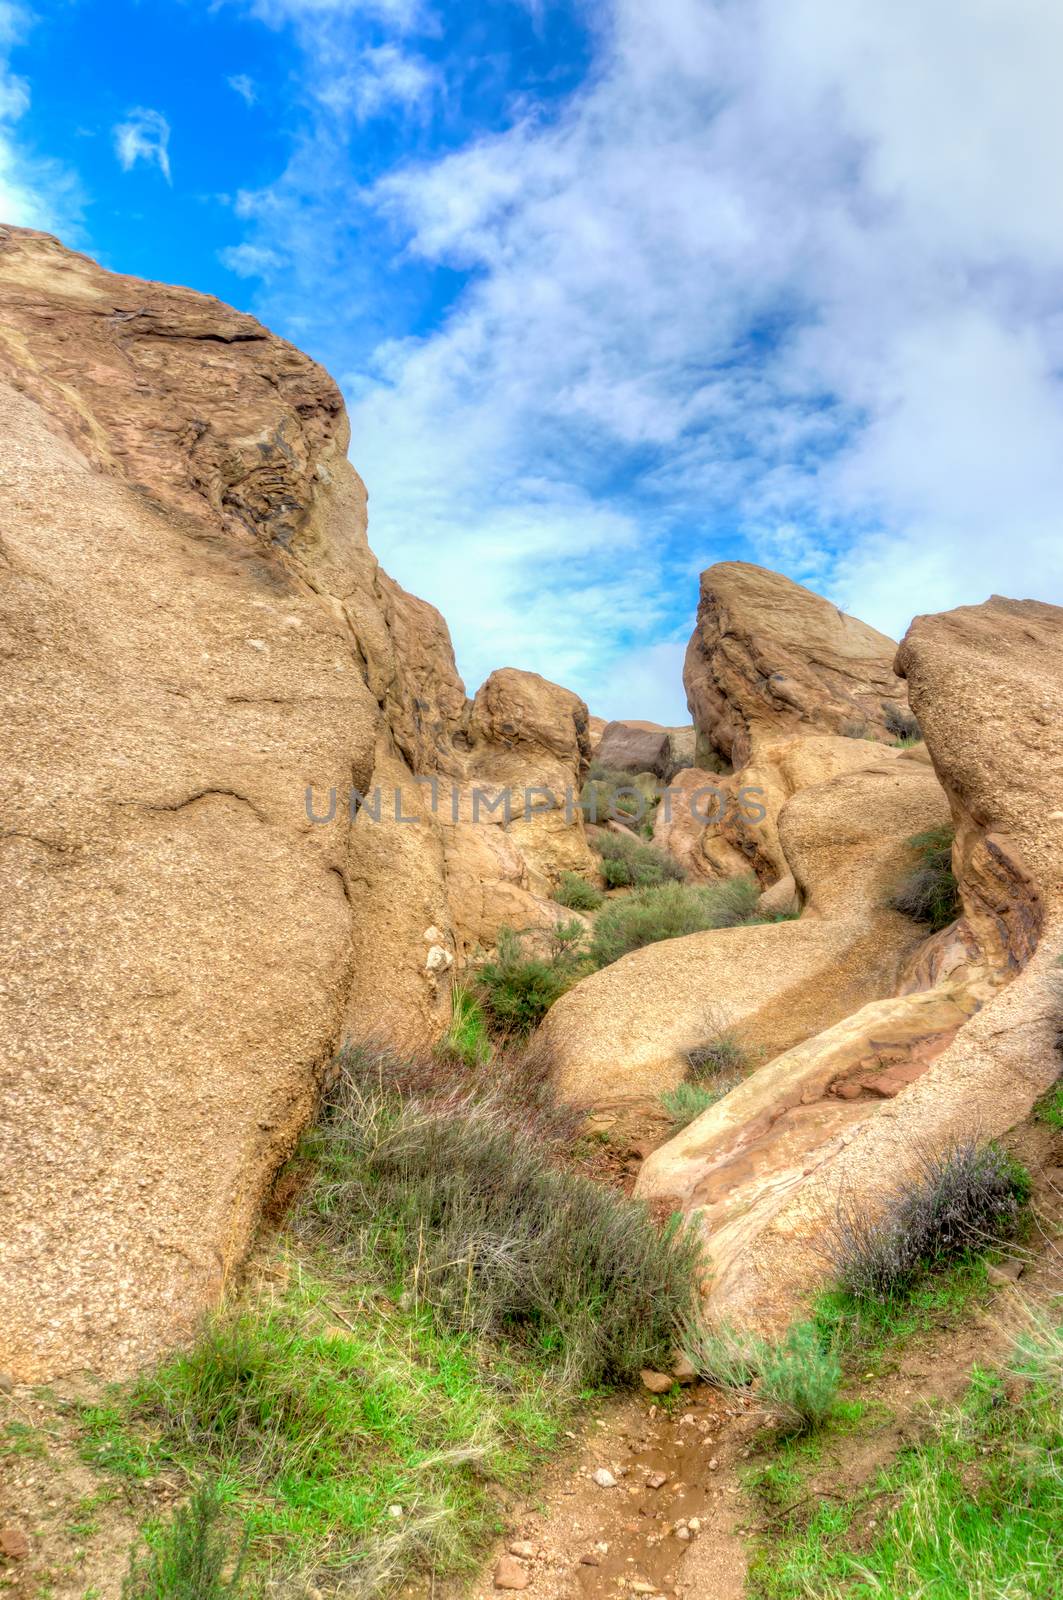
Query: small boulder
point(604, 1478)
point(13, 1543)
point(656, 1382)
point(509, 1574)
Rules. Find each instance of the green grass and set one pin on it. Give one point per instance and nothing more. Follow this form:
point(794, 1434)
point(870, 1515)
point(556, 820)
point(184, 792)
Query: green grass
point(1049, 1109)
point(687, 1101)
point(189, 1557)
point(312, 1428)
point(865, 1330)
point(669, 911)
point(577, 893)
point(976, 1510)
point(468, 1040)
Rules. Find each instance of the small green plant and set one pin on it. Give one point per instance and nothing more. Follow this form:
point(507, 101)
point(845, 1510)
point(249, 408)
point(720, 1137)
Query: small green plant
point(956, 1202)
point(467, 1040)
point(620, 796)
point(577, 893)
point(930, 892)
point(687, 1101)
point(630, 863)
point(189, 1558)
point(669, 911)
point(798, 1376)
point(1049, 1109)
point(516, 989)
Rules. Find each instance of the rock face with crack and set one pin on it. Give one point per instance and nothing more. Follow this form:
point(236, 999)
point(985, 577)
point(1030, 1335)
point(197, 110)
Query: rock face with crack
point(769, 657)
point(969, 1040)
point(199, 646)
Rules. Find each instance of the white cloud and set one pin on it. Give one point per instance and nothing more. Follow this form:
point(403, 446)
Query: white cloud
point(35, 192)
point(144, 136)
point(249, 260)
point(244, 86)
point(783, 272)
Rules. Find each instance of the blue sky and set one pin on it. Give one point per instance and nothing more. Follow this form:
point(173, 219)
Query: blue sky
point(613, 290)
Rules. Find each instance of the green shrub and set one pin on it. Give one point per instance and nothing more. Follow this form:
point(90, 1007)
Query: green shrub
point(629, 863)
point(189, 1557)
point(669, 911)
point(902, 723)
point(577, 893)
point(930, 892)
point(1049, 1109)
point(467, 1040)
point(516, 990)
point(688, 1100)
point(608, 793)
point(477, 1220)
point(957, 1201)
point(798, 1377)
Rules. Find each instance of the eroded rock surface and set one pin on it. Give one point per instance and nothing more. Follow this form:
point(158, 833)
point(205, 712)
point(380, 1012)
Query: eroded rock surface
point(194, 631)
point(768, 657)
point(968, 1043)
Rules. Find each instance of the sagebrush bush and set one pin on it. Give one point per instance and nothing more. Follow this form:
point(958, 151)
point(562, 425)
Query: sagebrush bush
point(608, 793)
point(669, 911)
point(479, 1222)
point(798, 1377)
point(930, 892)
point(190, 1558)
point(723, 1056)
point(956, 1201)
point(902, 723)
point(629, 863)
point(577, 893)
point(517, 989)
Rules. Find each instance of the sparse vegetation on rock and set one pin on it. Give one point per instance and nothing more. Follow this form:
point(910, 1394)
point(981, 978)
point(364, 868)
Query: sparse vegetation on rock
point(517, 988)
point(577, 893)
point(628, 863)
point(670, 910)
point(930, 892)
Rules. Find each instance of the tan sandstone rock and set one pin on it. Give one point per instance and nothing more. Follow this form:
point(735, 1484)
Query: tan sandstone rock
point(772, 1161)
point(199, 646)
point(769, 657)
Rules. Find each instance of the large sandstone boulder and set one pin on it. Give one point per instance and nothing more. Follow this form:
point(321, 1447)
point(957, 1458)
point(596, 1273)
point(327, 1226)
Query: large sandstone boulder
point(769, 657)
point(202, 660)
point(844, 1115)
point(621, 1035)
point(632, 746)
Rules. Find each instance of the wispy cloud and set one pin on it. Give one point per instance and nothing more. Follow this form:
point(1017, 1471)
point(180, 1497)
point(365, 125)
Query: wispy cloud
point(144, 136)
point(780, 278)
point(244, 86)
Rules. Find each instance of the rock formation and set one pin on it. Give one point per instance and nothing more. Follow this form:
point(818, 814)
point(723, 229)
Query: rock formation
point(644, 747)
point(969, 1040)
point(196, 634)
point(769, 657)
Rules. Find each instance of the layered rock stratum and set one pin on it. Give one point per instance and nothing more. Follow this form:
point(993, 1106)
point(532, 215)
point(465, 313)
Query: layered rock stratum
point(195, 635)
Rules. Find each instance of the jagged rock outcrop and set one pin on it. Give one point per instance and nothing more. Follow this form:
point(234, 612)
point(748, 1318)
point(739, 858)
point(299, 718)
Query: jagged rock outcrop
point(768, 657)
point(845, 1114)
point(621, 1035)
point(195, 633)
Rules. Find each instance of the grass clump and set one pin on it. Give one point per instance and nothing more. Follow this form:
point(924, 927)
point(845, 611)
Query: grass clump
point(1049, 1109)
point(669, 911)
point(481, 1224)
point(930, 892)
point(629, 863)
point(722, 1056)
point(517, 988)
point(608, 794)
point(577, 893)
point(467, 1041)
point(189, 1558)
point(957, 1202)
point(798, 1377)
point(687, 1101)
point(976, 1509)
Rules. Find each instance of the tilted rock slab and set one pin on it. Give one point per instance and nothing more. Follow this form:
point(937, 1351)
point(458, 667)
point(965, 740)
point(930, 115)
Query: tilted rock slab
point(768, 657)
point(621, 1034)
point(194, 633)
point(766, 1169)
